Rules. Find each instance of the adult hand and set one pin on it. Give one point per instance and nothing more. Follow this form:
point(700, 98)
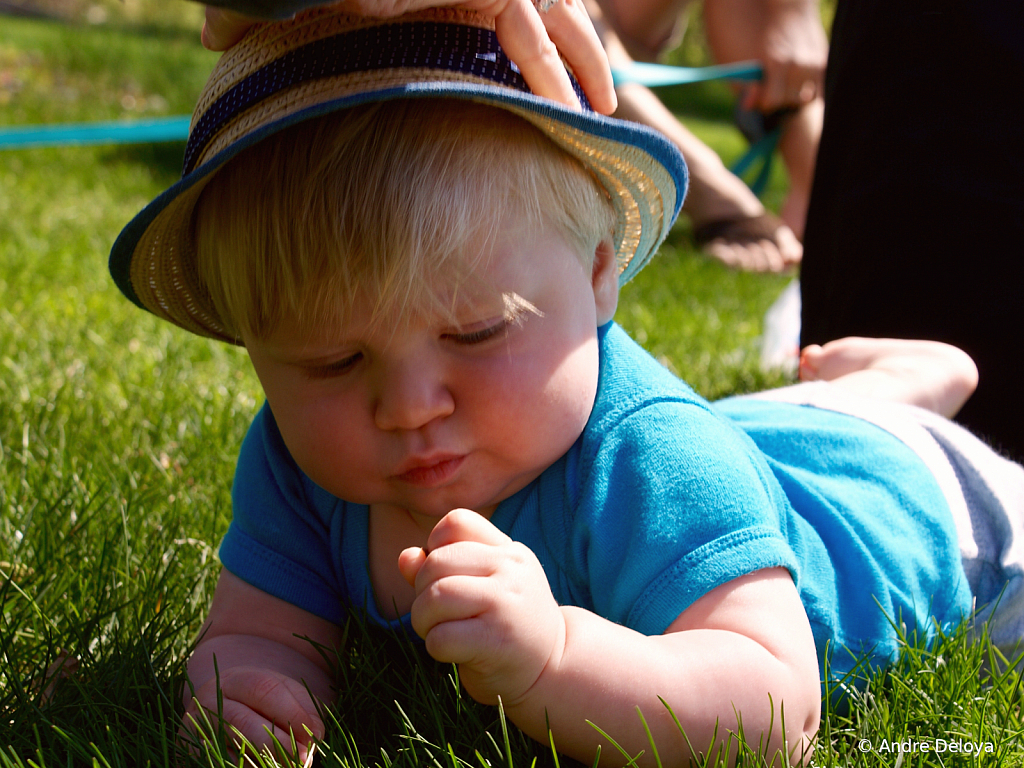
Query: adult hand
point(795, 51)
point(483, 602)
point(531, 38)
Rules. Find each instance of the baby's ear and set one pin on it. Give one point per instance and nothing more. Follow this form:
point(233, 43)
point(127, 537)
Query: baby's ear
point(605, 278)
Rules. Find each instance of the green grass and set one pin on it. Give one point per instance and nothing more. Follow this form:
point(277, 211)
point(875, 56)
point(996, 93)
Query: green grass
point(118, 436)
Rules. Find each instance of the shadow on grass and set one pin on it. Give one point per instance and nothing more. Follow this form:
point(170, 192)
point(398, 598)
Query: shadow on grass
point(400, 702)
point(163, 159)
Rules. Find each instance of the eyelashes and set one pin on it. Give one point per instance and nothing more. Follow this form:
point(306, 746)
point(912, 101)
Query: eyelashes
point(476, 337)
point(515, 310)
point(343, 366)
point(334, 369)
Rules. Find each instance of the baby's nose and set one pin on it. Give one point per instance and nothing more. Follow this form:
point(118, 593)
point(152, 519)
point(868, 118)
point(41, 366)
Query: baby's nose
point(412, 394)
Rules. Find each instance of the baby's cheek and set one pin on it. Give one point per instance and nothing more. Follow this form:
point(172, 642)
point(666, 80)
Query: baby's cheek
point(566, 399)
point(337, 459)
point(573, 383)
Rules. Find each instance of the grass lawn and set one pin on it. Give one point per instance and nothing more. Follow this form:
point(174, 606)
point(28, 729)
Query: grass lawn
point(118, 436)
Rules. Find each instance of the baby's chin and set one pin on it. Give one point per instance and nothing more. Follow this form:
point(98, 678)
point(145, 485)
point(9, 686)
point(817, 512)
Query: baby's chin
point(431, 515)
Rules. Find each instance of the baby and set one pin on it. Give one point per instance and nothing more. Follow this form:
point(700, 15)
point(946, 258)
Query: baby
point(422, 260)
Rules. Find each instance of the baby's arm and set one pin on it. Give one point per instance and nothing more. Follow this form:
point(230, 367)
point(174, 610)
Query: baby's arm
point(484, 603)
point(263, 664)
point(722, 658)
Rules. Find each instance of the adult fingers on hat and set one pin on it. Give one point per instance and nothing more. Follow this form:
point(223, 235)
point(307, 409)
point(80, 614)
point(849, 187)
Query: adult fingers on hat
point(522, 35)
point(530, 37)
point(570, 28)
point(223, 28)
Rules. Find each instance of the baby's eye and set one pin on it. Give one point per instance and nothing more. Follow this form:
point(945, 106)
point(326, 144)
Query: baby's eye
point(337, 368)
point(476, 337)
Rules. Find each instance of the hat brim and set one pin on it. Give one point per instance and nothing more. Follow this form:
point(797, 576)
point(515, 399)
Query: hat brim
point(153, 259)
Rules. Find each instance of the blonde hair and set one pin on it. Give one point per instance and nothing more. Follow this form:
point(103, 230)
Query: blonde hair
point(387, 200)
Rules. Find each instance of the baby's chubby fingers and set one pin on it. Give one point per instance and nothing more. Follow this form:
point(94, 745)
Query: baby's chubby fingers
point(459, 581)
point(262, 705)
point(465, 525)
point(257, 731)
point(459, 525)
point(452, 615)
point(452, 575)
point(483, 602)
point(409, 563)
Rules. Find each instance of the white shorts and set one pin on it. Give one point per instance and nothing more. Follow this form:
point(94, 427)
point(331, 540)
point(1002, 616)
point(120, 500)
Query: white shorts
point(985, 493)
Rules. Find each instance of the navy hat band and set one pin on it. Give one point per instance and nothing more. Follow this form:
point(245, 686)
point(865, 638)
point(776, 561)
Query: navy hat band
point(424, 45)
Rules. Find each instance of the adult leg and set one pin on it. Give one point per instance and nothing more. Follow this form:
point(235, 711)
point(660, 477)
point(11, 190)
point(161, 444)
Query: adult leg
point(792, 45)
point(799, 148)
point(646, 27)
point(716, 195)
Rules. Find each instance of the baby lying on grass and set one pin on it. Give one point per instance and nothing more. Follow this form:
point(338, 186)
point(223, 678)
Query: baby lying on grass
point(423, 260)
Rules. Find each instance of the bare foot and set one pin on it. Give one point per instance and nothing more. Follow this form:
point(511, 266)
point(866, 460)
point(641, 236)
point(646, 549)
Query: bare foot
point(936, 376)
point(762, 243)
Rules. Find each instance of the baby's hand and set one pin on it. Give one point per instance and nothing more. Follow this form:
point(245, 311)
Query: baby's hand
point(483, 602)
point(255, 699)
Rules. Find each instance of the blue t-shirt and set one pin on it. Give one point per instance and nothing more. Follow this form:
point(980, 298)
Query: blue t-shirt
point(662, 498)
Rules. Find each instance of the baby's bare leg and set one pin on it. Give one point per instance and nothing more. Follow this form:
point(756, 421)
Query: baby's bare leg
point(929, 374)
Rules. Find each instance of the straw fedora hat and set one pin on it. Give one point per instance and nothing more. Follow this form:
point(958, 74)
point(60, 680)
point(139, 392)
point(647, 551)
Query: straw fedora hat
point(322, 61)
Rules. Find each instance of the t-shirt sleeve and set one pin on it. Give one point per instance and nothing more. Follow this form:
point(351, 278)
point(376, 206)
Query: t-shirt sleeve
point(677, 503)
point(280, 535)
